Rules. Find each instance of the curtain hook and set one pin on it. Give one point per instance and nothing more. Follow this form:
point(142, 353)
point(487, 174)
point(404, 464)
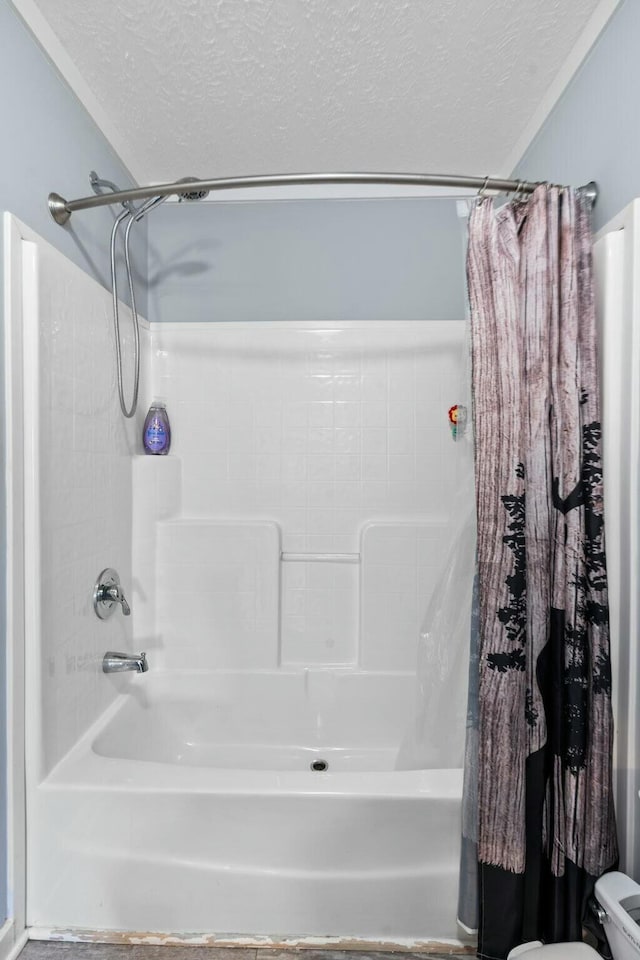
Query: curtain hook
point(519, 194)
point(482, 191)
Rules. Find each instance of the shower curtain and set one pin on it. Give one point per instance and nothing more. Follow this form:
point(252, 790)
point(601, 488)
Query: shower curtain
point(543, 815)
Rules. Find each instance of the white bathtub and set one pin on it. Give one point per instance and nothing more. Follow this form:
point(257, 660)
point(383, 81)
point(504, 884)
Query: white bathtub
point(191, 808)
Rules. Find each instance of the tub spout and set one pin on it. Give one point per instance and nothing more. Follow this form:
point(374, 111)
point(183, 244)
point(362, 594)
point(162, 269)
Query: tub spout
point(119, 662)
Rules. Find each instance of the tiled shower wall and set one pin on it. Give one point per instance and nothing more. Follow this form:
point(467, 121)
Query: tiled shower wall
point(82, 498)
point(338, 435)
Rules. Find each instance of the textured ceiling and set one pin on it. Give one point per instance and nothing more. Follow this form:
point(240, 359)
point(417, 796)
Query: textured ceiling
point(224, 87)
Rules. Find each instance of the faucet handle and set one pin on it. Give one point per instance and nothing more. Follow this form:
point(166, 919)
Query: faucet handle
point(107, 592)
point(115, 594)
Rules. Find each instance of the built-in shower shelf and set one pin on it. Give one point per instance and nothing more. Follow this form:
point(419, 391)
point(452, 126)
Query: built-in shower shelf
point(288, 557)
point(157, 457)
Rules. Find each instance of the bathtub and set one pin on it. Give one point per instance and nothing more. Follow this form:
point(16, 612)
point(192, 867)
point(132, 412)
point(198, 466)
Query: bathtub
point(191, 808)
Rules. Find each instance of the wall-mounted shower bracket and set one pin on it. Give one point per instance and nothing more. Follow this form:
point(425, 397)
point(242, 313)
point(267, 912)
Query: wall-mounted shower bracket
point(589, 191)
point(108, 593)
point(58, 209)
point(99, 183)
point(61, 211)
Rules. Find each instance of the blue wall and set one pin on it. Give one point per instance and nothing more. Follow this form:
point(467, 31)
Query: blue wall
point(388, 259)
point(593, 131)
point(49, 143)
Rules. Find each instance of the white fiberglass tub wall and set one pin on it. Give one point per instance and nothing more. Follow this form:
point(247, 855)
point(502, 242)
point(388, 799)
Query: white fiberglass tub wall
point(307, 439)
point(190, 805)
point(78, 455)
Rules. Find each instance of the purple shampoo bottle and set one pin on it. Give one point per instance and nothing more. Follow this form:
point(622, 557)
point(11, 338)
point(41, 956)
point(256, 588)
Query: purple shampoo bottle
point(156, 434)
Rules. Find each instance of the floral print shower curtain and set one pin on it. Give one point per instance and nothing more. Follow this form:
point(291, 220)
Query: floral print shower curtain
point(544, 822)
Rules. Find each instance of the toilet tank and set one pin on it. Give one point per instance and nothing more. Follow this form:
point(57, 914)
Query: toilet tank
point(619, 896)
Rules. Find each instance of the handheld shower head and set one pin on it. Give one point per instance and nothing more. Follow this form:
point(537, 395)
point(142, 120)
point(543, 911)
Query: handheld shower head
point(134, 215)
point(191, 194)
point(154, 202)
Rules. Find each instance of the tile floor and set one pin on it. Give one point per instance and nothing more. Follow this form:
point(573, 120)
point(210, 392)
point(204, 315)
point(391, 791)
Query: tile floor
point(49, 950)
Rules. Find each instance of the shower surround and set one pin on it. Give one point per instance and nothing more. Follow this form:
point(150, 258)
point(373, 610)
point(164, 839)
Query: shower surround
point(311, 439)
point(182, 801)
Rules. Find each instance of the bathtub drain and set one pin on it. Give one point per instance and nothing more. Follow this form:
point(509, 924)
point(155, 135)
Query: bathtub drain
point(319, 765)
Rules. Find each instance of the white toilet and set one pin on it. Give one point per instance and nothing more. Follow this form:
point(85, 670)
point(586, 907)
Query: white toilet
point(618, 899)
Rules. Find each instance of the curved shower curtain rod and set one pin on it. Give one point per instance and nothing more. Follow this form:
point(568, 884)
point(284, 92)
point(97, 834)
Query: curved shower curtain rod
point(61, 209)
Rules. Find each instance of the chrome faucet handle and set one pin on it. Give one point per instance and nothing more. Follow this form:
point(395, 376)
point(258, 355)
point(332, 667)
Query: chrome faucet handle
point(115, 594)
point(108, 592)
